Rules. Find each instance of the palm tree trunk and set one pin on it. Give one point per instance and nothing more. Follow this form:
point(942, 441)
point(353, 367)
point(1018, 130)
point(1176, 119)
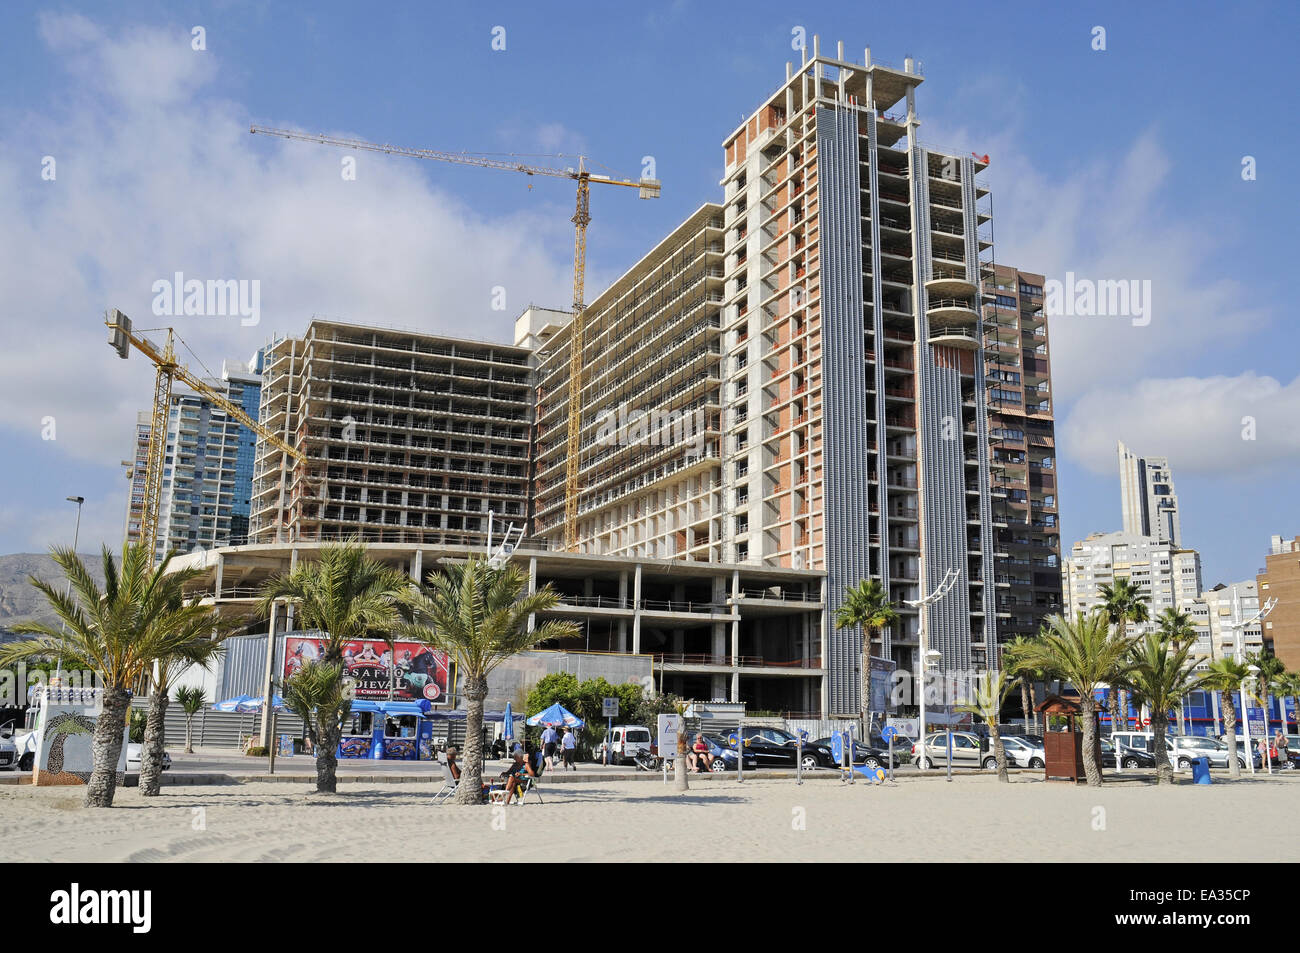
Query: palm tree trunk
point(327, 753)
point(680, 783)
point(107, 747)
point(1230, 729)
point(1115, 724)
point(1024, 701)
point(1123, 712)
point(151, 752)
point(1091, 769)
point(189, 733)
point(1164, 770)
point(999, 752)
point(470, 789)
point(1033, 704)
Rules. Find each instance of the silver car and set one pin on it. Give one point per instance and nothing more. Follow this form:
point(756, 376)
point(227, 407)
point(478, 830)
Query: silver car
point(967, 751)
point(1023, 753)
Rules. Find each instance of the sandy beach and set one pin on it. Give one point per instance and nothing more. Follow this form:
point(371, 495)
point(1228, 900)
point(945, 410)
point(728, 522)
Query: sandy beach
point(919, 818)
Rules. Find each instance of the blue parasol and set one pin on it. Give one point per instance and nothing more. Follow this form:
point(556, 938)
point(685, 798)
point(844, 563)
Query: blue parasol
point(554, 717)
point(508, 730)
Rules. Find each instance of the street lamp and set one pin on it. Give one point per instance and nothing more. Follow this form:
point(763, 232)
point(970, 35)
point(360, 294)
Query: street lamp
point(950, 578)
point(1245, 716)
point(76, 535)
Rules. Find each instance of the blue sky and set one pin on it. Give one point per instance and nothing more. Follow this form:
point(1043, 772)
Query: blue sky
point(1122, 163)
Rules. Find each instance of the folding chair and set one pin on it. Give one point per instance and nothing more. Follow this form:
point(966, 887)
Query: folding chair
point(449, 784)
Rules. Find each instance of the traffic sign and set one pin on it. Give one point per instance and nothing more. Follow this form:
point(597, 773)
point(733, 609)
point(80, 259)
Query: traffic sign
point(888, 733)
point(609, 707)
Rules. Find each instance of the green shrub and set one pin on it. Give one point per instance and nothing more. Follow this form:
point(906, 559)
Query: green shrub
point(256, 752)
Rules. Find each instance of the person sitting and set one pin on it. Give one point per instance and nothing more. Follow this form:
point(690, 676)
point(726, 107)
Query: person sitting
point(519, 768)
point(452, 766)
point(700, 757)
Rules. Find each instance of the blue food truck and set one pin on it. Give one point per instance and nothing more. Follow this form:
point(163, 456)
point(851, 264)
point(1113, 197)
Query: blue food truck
point(388, 731)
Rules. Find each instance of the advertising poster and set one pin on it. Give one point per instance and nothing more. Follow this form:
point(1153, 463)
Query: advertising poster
point(416, 673)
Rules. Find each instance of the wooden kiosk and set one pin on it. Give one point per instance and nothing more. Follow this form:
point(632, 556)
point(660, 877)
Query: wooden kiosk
point(1063, 746)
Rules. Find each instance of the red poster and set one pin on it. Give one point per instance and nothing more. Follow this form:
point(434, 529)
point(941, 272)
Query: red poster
point(419, 671)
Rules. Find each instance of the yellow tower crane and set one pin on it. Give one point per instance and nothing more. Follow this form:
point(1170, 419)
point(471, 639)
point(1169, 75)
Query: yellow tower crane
point(168, 370)
point(649, 189)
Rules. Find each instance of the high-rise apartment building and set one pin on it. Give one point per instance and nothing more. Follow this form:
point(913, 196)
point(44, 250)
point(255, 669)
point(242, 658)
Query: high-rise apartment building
point(410, 437)
point(824, 322)
point(207, 466)
point(1279, 579)
point(1022, 434)
point(1229, 631)
point(1168, 576)
point(1150, 505)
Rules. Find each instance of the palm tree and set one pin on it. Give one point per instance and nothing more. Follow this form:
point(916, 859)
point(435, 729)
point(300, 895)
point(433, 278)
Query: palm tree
point(478, 614)
point(347, 595)
point(1124, 602)
point(1162, 673)
point(318, 694)
point(1225, 675)
point(1286, 685)
point(1013, 661)
point(1087, 652)
point(117, 631)
point(866, 605)
point(990, 693)
point(191, 699)
point(1270, 668)
point(201, 645)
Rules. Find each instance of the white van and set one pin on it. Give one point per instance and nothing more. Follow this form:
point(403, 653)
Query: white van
point(624, 743)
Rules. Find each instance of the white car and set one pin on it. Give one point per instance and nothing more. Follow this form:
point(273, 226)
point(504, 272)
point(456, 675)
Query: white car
point(1023, 753)
point(133, 758)
point(8, 754)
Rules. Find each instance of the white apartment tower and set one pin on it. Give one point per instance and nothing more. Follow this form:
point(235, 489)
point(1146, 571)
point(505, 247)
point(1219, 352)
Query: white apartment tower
point(1150, 504)
point(1169, 577)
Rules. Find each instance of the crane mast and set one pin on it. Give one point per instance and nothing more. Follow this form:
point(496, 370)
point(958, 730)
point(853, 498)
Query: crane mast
point(167, 371)
point(648, 189)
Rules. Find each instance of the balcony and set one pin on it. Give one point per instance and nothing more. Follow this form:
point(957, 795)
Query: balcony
point(963, 338)
point(953, 311)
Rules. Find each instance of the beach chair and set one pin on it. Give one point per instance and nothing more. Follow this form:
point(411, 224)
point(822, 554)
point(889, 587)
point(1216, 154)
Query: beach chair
point(529, 784)
point(449, 784)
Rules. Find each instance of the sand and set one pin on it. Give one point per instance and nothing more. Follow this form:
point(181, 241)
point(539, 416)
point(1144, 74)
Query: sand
point(920, 818)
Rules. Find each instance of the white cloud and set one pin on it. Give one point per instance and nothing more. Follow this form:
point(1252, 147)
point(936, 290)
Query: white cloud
point(157, 174)
point(1200, 424)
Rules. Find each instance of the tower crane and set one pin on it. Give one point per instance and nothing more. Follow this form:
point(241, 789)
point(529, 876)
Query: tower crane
point(648, 189)
point(168, 370)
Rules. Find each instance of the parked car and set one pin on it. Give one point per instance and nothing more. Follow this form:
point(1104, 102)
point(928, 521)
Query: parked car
point(624, 743)
point(1242, 751)
point(778, 748)
point(724, 755)
point(868, 755)
point(1128, 757)
point(968, 751)
point(8, 753)
point(1023, 753)
point(133, 759)
point(902, 747)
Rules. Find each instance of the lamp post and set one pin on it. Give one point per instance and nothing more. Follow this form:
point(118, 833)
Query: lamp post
point(76, 536)
point(950, 577)
point(1245, 715)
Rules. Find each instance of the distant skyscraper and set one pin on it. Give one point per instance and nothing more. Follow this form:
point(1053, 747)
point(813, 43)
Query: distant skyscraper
point(1146, 486)
point(207, 465)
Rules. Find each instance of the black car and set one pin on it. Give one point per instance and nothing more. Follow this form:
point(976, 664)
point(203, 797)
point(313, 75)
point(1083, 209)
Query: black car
point(778, 748)
point(1129, 757)
point(869, 755)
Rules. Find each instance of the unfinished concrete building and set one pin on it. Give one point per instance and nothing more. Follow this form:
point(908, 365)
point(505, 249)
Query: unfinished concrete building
point(651, 401)
point(411, 437)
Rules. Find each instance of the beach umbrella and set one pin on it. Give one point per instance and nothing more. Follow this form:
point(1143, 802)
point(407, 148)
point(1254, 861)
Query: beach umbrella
point(508, 729)
point(554, 717)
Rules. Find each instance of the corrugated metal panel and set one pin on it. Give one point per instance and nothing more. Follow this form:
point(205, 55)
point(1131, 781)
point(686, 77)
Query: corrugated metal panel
point(878, 324)
point(846, 510)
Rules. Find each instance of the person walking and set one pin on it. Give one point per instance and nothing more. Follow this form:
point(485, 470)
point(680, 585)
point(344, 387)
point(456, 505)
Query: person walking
point(569, 745)
point(549, 737)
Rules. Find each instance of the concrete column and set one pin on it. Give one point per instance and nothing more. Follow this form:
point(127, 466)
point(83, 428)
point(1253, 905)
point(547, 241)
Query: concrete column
point(622, 623)
point(417, 566)
point(216, 587)
point(636, 612)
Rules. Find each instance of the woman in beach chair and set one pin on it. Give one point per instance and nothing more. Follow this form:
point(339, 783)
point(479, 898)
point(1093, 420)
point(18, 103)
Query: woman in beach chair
point(518, 776)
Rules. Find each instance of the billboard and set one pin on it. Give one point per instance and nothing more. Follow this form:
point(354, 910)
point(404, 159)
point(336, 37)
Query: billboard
point(417, 671)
